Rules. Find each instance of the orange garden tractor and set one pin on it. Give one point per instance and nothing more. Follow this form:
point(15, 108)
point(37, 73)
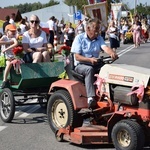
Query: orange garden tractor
point(122, 116)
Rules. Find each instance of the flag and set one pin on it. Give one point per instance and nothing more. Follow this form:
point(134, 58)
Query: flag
point(116, 11)
point(98, 10)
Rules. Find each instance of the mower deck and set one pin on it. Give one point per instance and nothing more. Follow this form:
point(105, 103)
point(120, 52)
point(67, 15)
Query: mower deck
point(89, 134)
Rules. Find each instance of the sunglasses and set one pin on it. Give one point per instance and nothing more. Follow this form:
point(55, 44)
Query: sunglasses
point(34, 21)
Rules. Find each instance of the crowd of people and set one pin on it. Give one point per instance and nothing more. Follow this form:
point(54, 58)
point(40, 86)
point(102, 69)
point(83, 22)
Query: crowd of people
point(86, 40)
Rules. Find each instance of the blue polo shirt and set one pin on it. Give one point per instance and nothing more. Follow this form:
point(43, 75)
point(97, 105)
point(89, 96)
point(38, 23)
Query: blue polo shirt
point(84, 46)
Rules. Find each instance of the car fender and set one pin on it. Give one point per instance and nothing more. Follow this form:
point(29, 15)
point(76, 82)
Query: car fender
point(76, 90)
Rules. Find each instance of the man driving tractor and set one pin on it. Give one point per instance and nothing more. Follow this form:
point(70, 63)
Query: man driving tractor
point(86, 48)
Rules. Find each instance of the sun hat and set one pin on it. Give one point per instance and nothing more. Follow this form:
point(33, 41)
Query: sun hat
point(10, 27)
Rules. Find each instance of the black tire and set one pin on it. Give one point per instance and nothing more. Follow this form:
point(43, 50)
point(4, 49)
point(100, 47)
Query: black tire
point(60, 111)
point(128, 135)
point(7, 105)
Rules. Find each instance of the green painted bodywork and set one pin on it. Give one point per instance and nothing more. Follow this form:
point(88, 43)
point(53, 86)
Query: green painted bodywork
point(34, 75)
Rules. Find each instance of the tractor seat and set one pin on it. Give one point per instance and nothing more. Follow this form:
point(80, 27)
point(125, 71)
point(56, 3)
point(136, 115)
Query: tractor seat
point(72, 74)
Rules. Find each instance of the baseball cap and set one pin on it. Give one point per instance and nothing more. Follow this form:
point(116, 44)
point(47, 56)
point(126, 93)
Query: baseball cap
point(10, 27)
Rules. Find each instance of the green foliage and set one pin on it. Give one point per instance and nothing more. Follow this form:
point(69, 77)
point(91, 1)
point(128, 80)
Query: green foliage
point(142, 9)
point(27, 7)
point(79, 3)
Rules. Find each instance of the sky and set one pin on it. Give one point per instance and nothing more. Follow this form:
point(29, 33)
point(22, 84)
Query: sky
point(131, 3)
point(5, 3)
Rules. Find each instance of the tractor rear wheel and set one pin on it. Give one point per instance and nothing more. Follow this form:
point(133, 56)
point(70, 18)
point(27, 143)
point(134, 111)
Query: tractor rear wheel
point(7, 105)
point(61, 113)
point(128, 135)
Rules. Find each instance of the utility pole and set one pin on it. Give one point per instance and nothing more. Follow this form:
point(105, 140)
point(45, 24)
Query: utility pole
point(135, 4)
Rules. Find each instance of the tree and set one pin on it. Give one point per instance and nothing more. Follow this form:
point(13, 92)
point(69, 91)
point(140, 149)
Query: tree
point(142, 10)
point(27, 7)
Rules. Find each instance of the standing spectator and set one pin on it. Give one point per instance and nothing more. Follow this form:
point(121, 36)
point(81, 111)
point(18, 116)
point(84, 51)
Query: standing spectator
point(70, 32)
point(103, 30)
point(61, 32)
point(124, 29)
point(51, 25)
point(144, 30)
point(136, 29)
point(35, 42)
point(23, 26)
point(7, 47)
point(27, 22)
point(80, 27)
point(112, 31)
point(12, 18)
point(7, 18)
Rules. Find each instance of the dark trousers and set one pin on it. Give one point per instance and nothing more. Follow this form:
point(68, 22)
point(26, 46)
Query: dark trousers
point(69, 42)
point(51, 37)
point(103, 35)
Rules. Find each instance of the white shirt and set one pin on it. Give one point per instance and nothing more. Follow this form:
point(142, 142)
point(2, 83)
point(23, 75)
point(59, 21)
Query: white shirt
point(80, 28)
point(8, 53)
point(112, 35)
point(51, 24)
point(34, 42)
point(11, 21)
point(125, 28)
point(23, 28)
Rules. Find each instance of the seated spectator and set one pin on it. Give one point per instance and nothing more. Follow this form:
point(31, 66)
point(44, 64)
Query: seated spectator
point(34, 42)
point(50, 50)
point(8, 42)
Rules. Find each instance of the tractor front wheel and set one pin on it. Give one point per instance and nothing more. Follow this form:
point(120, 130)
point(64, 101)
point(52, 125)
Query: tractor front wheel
point(61, 113)
point(128, 135)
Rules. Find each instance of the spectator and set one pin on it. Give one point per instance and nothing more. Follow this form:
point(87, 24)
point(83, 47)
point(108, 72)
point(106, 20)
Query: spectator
point(0, 38)
point(51, 51)
point(51, 25)
point(8, 42)
point(144, 30)
point(7, 18)
point(27, 23)
point(136, 29)
point(112, 31)
point(35, 42)
point(124, 29)
point(12, 19)
point(80, 27)
point(23, 26)
point(103, 30)
point(86, 48)
point(70, 34)
point(61, 32)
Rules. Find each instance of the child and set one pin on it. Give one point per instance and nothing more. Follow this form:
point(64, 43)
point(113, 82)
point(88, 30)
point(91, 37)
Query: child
point(8, 42)
point(51, 50)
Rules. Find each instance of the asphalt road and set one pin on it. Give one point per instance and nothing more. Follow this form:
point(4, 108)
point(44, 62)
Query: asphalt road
point(29, 129)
